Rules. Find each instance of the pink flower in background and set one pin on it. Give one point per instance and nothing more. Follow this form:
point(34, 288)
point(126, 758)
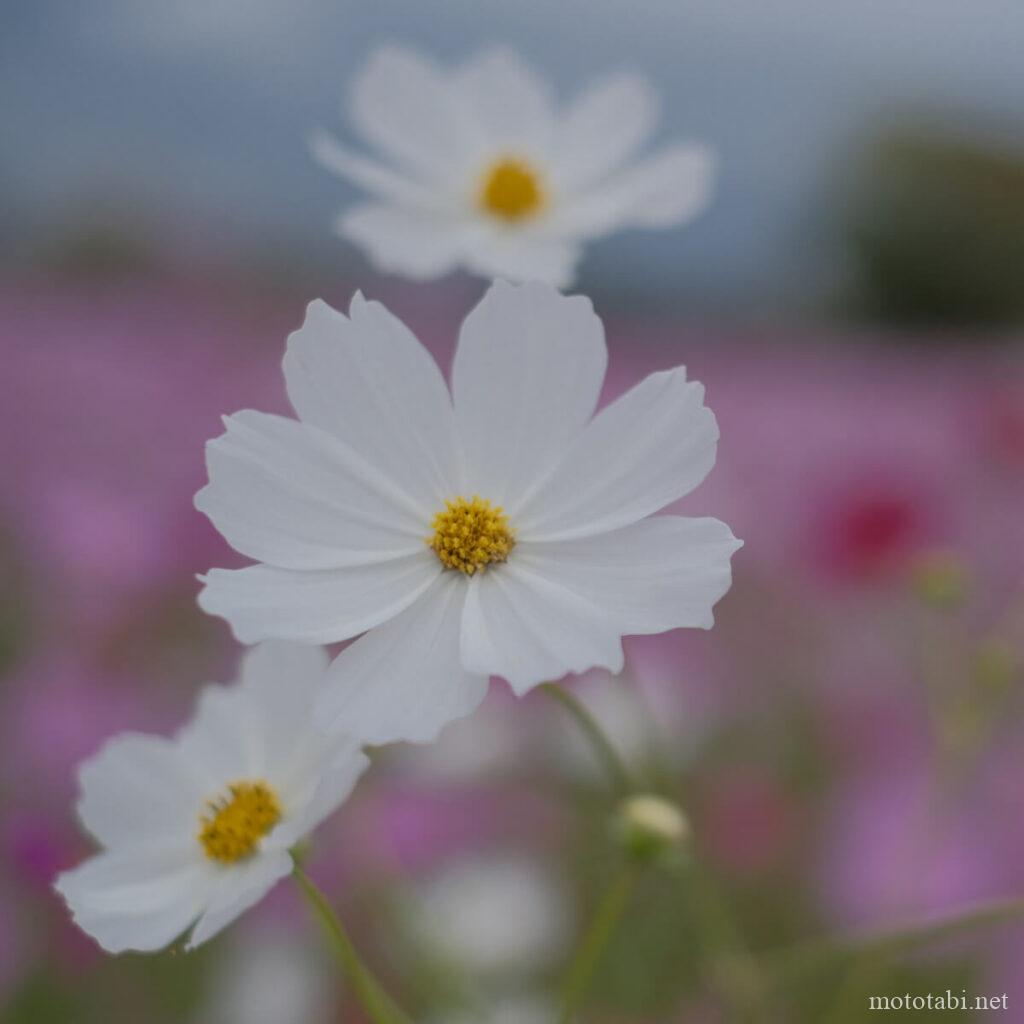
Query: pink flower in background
point(749, 822)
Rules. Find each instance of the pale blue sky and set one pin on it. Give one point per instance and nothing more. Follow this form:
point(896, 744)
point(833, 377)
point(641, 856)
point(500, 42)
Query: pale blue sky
point(195, 111)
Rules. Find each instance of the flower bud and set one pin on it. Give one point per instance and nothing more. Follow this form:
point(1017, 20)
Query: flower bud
point(650, 827)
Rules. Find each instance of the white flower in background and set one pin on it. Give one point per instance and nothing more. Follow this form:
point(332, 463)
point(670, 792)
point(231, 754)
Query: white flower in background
point(494, 915)
point(500, 530)
point(506, 1009)
point(478, 167)
point(198, 828)
point(270, 977)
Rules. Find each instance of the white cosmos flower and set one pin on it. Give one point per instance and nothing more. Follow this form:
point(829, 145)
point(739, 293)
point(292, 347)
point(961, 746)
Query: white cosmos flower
point(500, 529)
point(197, 829)
point(478, 167)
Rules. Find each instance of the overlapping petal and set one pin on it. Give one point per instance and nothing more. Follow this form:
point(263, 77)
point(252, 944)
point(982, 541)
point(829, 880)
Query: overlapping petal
point(294, 496)
point(239, 888)
point(263, 602)
point(603, 127)
point(509, 102)
point(405, 106)
point(648, 448)
point(525, 381)
point(660, 191)
point(420, 244)
point(366, 380)
point(137, 787)
point(658, 574)
point(521, 623)
point(405, 679)
point(139, 899)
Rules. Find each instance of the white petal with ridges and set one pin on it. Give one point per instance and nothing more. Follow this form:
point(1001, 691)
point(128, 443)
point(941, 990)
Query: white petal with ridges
point(138, 787)
point(658, 574)
point(239, 887)
point(526, 378)
point(522, 624)
point(366, 380)
point(139, 899)
point(294, 496)
point(648, 448)
point(405, 680)
point(262, 602)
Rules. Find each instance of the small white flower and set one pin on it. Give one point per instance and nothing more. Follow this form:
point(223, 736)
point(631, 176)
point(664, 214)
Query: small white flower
point(197, 829)
point(498, 530)
point(495, 916)
point(270, 977)
point(478, 168)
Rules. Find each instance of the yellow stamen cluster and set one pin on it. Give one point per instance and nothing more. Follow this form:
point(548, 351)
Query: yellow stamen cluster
point(235, 824)
point(470, 534)
point(511, 190)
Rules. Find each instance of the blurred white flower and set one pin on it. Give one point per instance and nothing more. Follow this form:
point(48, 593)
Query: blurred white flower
point(494, 916)
point(477, 167)
point(197, 829)
point(269, 977)
point(518, 1009)
point(506, 536)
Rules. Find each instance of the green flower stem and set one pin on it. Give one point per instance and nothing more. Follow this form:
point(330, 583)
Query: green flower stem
point(375, 1001)
point(805, 957)
point(618, 773)
point(595, 941)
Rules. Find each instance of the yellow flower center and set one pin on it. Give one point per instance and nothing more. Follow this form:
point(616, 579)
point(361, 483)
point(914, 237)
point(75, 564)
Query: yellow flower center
point(470, 534)
point(511, 190)
point(234, 825)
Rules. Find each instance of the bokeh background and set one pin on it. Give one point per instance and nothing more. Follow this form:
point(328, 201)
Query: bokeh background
point(846, 742)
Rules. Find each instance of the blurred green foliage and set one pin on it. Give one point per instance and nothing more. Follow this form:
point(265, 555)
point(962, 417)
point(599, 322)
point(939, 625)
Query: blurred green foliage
point(937, 231)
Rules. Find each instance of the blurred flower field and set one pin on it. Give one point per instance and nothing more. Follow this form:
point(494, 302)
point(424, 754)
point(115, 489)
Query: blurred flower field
point(845, 742)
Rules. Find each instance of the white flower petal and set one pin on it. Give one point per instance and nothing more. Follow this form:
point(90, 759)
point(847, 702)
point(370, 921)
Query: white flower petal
point(422, 245)
point(648, 448)
point(511, 104)
point(220, 742)
point(375, 178)
point(658, 574)
point(327, 768)
point(239, 887)
point(522, 624)
point(406, 107)
point(520, 255)
point(294, 496)
point(526, 378)
point(367, 380)
point(405, 680)
point(141, 899)
point(138, 788)
point(263, 602)
point(661, 191)
point(604, 126)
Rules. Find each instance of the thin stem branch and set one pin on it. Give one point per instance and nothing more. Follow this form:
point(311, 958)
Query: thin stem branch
point(806, 956)
point(371, 995)
point(618, 773)
point(595, 941)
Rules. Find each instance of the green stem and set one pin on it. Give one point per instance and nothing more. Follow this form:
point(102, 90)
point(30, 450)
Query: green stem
point(588, 956)
point(806, 956)
point(374, 1000)
point(618, 773)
